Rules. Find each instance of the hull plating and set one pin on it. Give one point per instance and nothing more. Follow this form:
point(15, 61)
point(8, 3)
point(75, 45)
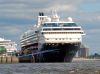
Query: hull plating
point(55, 52)
point(58, 52)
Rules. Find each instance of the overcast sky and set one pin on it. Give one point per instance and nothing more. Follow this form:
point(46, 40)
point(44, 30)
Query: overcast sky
point(17, 16)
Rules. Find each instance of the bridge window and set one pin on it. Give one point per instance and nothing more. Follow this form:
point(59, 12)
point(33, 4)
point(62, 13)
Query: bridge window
point(69, 24)
point(59, 24)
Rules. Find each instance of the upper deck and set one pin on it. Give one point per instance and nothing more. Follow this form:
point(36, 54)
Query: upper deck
point(61, 26)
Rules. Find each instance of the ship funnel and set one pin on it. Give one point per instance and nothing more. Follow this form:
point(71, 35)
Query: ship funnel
point(41, 14)
point(41, 18)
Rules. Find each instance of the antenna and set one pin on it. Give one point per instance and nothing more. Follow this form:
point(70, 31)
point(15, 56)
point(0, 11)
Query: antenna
point(54, 13)
point(55, 17)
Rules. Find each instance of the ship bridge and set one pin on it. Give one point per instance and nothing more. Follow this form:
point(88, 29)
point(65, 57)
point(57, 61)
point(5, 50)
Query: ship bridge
point(62, 32)
point(60, 26)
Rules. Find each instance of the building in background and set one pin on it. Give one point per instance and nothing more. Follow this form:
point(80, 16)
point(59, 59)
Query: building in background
point(83, 52)
point(7, 45)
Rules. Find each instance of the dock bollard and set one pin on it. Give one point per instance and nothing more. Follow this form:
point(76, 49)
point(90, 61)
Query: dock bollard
point(15, 59)
point(9, 59)
point(0, 59)
point(4, 59)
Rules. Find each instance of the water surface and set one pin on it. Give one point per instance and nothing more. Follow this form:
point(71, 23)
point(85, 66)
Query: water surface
point(76, 67)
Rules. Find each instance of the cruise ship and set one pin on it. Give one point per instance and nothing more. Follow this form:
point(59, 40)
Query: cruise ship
point(52, 39)
point(7, 45)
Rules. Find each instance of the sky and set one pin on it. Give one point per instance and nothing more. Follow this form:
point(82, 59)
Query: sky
point(18, 16)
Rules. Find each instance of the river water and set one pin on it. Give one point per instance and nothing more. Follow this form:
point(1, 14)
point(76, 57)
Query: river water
point(76, 67)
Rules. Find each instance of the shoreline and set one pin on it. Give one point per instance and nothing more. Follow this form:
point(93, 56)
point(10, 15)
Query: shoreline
point(85, 59)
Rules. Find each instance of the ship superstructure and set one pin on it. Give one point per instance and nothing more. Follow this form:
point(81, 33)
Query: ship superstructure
point(8, 45)
point(52, 40)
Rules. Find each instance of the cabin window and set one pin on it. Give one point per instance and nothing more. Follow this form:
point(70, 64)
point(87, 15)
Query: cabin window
point(46, 29)
point(36, 31)
point(78, 38)
point(57, 29)
point(42, 33)
point(59, 38)
point(47, 39)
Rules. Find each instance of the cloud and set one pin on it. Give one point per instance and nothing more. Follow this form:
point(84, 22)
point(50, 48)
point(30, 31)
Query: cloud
point(25, 9)
point(10, 30)
point(13, 30)
point(29, 9)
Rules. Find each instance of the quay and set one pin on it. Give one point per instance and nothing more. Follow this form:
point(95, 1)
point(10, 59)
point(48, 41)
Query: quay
point(14, 59)
point(8, 59)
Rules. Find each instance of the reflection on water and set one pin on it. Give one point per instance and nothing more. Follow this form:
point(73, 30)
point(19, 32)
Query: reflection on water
point(81, 67)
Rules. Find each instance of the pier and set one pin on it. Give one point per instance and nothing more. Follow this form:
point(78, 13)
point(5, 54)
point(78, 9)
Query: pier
point(14, 59)
point(8, 59)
